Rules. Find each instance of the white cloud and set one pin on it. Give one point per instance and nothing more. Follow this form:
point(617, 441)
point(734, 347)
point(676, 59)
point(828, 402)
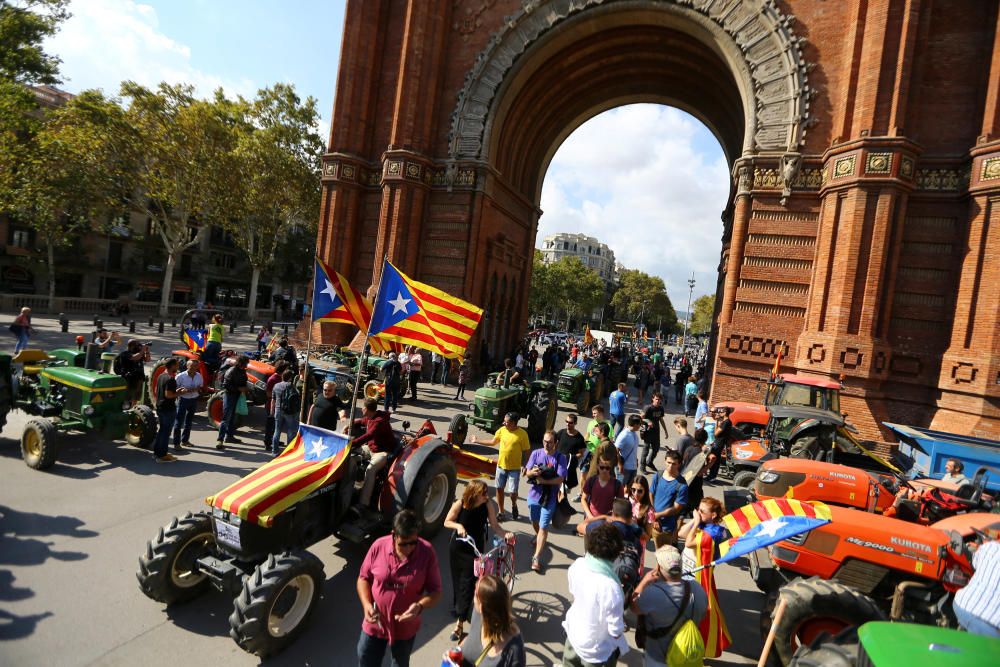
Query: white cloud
point(109, 41)
point(636, 179)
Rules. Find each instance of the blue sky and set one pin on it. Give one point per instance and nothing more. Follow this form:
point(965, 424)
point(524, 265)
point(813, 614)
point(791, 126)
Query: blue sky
point(649, 181)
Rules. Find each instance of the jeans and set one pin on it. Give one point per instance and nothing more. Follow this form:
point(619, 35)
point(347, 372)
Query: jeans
point(617, 424)
point(227, 429)
point(186, 408)
point(626, 477)
point(162, 441)
point(974, 624)
point(571, 659)
point(287, 424)
point(647, 454)
point(268, 431)
point(371, 650)
point(391, 396)
point(22, 341)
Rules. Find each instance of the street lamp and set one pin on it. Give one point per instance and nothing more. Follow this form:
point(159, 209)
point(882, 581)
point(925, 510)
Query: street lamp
point(687, 320)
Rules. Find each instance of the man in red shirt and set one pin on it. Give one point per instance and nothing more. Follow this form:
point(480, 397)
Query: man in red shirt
point(399, 580)
point(377, 442)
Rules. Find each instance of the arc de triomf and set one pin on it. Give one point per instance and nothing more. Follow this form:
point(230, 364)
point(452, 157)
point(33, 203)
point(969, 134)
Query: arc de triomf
point(862, 229)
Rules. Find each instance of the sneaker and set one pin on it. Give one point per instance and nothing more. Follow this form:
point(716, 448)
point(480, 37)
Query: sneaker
point(219, 445)
point(577, 498)
point(234, 440)
point(514, 513)
point(187, 443)
point(178, 446)
point(166, 458)
point(268, 450)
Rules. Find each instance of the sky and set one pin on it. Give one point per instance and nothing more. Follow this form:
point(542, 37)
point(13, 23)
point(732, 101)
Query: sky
point(650, 181)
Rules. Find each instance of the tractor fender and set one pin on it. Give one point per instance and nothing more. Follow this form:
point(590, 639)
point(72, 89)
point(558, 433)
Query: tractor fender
point(408, 465)
point(802, 427)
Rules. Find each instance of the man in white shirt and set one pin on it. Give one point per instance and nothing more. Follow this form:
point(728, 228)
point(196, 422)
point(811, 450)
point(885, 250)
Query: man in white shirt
point(189, 384)
point(954, 473)
point(627, 444)
point(977, 606)
point(595, 626)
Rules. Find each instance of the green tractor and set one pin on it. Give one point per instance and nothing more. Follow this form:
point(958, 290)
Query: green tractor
point(536, 400)
point(581, 388)
point(64, 397)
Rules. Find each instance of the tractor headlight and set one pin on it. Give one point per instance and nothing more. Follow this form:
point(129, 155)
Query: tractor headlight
point(767, 477)
point(218, 513)
point(88, 411)
point(496, 411)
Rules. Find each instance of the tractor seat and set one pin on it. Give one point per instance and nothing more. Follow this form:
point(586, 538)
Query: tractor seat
point(30, 359)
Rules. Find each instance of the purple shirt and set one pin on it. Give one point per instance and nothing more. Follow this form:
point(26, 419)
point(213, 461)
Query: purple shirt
point(397, 584)
point(540, 458)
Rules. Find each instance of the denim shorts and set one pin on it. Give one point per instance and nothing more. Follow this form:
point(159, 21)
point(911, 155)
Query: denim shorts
point(508, 479)
point(541, 515)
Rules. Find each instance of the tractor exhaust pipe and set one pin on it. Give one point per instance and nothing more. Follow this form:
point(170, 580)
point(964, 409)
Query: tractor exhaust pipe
point(899, 596)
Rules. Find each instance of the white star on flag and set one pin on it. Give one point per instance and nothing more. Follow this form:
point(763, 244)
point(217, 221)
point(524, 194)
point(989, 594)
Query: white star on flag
point(332, 293)
point(317, 449)
point(770, 528)
point(399, 303)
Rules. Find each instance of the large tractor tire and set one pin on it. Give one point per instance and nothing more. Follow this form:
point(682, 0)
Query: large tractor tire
point(816, 606)
point(214, 410)
point(38, 444)
point(167, 571)
point(371, 389)
point(841, 650)
point(459, 429)
point(142, 426)
point(597, 390)
point(433, 493)
point(154, 376)
point(276, 602)
point(745, 478)
point(806, 447)
point(582, 402)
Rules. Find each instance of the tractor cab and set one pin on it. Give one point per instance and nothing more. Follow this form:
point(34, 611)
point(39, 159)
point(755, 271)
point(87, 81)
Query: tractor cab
point(805, 391)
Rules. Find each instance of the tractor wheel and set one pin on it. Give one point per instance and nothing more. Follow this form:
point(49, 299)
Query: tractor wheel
point(167, 570)
point(815, 606)
point(38, 444)
point(371, 389)
point(826, 651)
point(345, 392)
point(459, 429)
point(276, 601)
point(745, 478)
point(433, 493)
point(551, 411)
point(154, 376)
point(582, 402)
point(214, 409)
point(142, 425)
point(766, 579)
point(806, 447)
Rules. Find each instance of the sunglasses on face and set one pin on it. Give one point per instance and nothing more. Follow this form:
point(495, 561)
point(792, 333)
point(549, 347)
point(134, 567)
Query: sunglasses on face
point(403, 544)
point(604, 467)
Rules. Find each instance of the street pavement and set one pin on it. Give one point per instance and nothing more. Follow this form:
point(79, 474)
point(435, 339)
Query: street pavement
point(70, 538)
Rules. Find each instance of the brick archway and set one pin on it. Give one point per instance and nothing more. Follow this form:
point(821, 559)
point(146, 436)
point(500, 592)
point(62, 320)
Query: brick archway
point(865, 176)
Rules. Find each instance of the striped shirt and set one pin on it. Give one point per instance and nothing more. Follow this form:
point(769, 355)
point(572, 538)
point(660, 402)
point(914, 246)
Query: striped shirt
point(980, 598)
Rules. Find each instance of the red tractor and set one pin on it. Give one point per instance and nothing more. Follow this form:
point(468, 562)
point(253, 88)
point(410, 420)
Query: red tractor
point(257, 374)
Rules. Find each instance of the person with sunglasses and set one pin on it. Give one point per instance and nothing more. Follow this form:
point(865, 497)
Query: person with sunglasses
point(702, 536)
point(600, 490)
point(572, 446)
point(545, 472)
point(642, 508)
point(513, 453)
point(399, 580)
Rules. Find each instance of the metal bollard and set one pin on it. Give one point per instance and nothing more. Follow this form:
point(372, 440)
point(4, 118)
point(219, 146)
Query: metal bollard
point(173, 322)
point(284, 327)
point(150, 320)
point(232, 327)
point(99, 324)
point(131, 326)
point(96, 318)
point(253, 323)
point(63, 322)
point(124, 321)
point(161, 326)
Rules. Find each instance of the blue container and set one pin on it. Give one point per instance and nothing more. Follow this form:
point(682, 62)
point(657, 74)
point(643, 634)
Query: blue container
point(930, 450)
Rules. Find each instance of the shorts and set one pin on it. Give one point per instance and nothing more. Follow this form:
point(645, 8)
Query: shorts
point(541, 514)
point(508, 479)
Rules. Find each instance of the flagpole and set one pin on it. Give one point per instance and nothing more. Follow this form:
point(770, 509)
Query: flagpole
point(312, 320)
point(365, 349)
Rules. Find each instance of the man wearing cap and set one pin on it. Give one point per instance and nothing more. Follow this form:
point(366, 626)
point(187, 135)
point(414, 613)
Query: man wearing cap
point(664, 601)
point(514, 447)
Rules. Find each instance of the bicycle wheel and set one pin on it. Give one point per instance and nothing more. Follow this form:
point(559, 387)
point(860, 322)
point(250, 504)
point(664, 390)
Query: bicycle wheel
point(507, 570)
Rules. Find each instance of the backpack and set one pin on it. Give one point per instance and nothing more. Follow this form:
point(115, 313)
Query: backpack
point(291, 401)
point(626, 566)
point(116, 365)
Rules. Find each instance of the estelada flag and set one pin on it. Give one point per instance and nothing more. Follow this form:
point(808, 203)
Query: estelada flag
point(351, 305)
point(327, 305)
point(309, 460)
point(415, 313)
point(713, 626)
point(194, 339)
point(761, 524)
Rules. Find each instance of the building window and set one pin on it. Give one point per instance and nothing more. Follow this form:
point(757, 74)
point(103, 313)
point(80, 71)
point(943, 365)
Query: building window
point(114, 256)
point(20, 238)
point(223, 261)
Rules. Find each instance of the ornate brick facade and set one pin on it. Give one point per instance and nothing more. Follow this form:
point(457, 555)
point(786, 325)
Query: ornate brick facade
point(862, 230)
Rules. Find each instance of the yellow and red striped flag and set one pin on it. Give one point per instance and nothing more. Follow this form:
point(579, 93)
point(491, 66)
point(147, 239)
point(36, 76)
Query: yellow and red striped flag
point(312, 457)
point(713, 625)
point(763, 523)
point(353, 306)
point(411, 312)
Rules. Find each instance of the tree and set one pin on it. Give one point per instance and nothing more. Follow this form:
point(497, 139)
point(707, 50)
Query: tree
point(701, 314)
point(574, 287)
point(540, 299)
point(181, 171)
point(278, 158)
point(24, 25)
point(642, 296)
point(66, 180)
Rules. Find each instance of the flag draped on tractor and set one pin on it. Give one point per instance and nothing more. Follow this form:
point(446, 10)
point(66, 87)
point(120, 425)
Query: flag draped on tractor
point(761, 524)
point(347, 304)
point(194, 339)
point(414, 313)
point(309, 460)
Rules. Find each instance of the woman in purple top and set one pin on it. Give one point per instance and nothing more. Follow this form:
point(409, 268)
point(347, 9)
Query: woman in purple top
point(545, 472)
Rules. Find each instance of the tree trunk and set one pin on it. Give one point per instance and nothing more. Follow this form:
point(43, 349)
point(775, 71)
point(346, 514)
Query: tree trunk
point(252, 298)
point(50, 247)
point(168, 282)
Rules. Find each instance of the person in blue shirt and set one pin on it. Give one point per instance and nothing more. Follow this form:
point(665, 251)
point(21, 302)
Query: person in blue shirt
point(670, 499)
point(616, 407)
point(627, 444)
point(585, 363)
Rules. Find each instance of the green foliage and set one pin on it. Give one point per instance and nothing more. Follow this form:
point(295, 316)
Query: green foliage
point(540, 294)
point(24, 25)
point(701, 314)
point(640, 295)
point(574, 287)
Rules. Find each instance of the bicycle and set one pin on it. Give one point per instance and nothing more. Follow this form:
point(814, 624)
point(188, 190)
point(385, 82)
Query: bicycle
point(498, 561)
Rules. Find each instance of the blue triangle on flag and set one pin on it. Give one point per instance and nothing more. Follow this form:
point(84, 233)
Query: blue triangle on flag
point(395, 303)
point(325, 297)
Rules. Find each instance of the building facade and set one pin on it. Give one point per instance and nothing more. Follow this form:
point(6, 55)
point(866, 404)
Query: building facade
point(596, 256)
point(863, 137)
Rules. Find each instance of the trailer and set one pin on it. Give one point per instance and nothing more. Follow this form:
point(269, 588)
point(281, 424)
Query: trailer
point(930, 450)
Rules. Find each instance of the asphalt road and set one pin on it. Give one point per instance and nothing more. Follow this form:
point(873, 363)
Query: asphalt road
point(70, 538)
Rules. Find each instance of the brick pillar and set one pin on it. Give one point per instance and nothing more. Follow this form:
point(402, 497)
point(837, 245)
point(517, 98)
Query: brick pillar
point(737, 241)
point(970, 369)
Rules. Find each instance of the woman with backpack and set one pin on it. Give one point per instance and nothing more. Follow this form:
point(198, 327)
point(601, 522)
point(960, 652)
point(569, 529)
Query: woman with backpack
point(702, 536)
